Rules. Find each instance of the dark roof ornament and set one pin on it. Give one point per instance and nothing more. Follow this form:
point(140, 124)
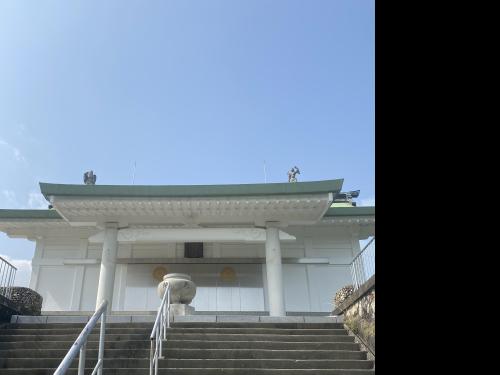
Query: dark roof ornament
point(89, 178)
point(347, 196)
point(292, 173)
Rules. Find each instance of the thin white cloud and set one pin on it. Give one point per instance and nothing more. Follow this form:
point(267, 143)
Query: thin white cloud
point(36, 200)
point(15, 151)
point(9, 197)
point(21, 129)
point(368, 202)
point(23, 273)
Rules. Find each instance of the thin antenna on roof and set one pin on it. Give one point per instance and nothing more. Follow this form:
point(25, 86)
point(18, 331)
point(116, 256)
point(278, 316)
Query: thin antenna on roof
point(265, 173)
point(133, 173)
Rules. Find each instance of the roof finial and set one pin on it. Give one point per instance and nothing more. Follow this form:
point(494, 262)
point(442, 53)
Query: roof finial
point(292, 173)
point(89, 178)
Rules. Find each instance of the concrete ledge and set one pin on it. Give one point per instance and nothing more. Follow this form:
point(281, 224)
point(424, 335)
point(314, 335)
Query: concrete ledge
point(119, 319)
point(67, 319)
point(238, 318)
point(143, 318)
point(200, 312)
point(28, 319)
point(68, 313)
point(220, 313)
point(320, 319)
point(196, 318)
point(282, 319)
point(91, 312)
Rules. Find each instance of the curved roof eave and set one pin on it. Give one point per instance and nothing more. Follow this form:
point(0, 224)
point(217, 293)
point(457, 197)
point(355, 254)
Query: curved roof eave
point(350, 211)
point(179, 191)
point(15, 214)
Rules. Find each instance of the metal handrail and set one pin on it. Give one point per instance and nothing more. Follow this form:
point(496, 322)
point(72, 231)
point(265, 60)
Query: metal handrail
point(7, 277)
point(81, 345)
point(359, 265)
point(363, 249)
point(159, 332)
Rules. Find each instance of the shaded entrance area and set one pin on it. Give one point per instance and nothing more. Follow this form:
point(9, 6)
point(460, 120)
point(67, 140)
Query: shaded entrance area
point(232, 287)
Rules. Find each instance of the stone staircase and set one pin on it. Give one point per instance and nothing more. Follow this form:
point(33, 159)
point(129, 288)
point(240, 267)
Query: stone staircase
point(191, 349)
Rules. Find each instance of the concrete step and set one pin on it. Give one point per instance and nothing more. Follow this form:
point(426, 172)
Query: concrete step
point(191, 348)
point(75, 325)
point(186, 324)
point(193, 363)
point(267, 363)
point(191, 371)
point(254, 337)
point(146, 331)
point(274, 345)
point(274, 331)
point(261, 354)
point(192, 353)
point(60, 353)
point(72, 337)
point(71, 331)
point(184, 336)
point(65, 345)
point(257, 325)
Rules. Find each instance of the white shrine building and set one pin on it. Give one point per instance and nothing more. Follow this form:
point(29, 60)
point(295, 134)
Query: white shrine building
point(277, 248)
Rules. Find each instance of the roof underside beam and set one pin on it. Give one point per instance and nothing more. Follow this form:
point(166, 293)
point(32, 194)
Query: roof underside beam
point(254, 210)
point(249, 235)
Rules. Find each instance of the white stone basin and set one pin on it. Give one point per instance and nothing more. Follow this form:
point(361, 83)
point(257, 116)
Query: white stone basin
point(182, 289)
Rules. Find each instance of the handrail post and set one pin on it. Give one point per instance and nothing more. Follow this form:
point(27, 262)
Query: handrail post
point(159, 331)
point(9, 283)
point(7, 277)
point(80, 344)
point(3, 266)
point(168, 310)
point(358, 277)
point(81, 362)
point(157, 347)
point(151, 357)
point(359, 264)
point(101, 342)
point(353, 275)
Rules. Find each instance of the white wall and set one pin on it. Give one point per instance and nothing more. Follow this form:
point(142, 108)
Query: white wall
point(308, 287)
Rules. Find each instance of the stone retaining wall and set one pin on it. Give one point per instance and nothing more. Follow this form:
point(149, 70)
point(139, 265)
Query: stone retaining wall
point(359, 313)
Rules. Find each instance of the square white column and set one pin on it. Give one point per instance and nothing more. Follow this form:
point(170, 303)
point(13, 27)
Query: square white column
point(108, 265)
point(274, 273)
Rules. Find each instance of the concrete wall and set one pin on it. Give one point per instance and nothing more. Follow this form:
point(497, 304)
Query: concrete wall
point(66, 272)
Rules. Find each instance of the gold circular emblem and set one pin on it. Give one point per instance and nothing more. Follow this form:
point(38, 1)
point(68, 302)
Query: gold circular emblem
point(228, 274)
point(159, 272)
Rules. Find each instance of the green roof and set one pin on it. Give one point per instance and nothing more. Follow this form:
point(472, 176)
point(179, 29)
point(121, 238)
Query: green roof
point(28, 214)
point(310, 187)
point(350, 211)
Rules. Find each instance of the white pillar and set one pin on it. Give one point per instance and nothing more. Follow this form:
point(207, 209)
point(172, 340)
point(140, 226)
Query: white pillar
point(108, 264)
point(274, 273)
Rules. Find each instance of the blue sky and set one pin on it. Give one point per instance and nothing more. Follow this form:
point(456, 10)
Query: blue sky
point(193, 92)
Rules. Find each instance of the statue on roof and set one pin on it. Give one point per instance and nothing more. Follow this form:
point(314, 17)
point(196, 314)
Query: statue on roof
point(292, 173)
point(89, 178)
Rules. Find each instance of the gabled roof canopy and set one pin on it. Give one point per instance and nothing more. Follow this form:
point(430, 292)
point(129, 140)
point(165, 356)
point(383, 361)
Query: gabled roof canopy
point(255, 204)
